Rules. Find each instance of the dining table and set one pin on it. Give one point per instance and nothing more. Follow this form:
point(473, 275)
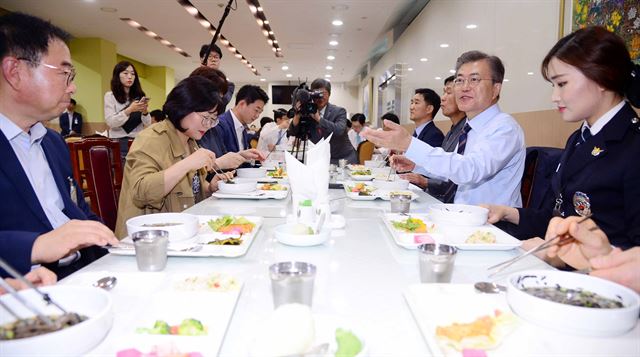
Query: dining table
point(361, 275)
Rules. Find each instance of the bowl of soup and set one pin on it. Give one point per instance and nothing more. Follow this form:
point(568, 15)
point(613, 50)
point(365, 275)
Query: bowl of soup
point(252, 172)
point(181, 226)
point(573, 303)
point(89, 321)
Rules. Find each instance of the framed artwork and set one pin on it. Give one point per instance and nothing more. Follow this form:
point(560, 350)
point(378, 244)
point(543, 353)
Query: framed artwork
point(367, 99)
point(618, 16)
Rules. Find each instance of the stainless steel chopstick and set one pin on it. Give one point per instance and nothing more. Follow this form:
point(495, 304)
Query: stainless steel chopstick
point(9, 269)
point(26, 303)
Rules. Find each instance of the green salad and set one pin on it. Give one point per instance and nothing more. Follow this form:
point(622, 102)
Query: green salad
point(188, 327)
point(349, 345)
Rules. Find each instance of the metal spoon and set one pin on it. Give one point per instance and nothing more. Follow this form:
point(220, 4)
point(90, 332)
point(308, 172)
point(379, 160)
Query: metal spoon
point(489, 288)
point(106, 283)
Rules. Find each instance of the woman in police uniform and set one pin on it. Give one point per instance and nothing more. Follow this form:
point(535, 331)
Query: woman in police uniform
point(599, 175)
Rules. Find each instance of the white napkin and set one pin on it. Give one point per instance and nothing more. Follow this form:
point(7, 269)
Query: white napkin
point(311, 181)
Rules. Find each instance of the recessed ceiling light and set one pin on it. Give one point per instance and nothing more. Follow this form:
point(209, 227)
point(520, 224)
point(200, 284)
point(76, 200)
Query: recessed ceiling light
point(409, 69)
point(333, 43)
point(444, 45)
point(336, 23)
point(438, 78)
point(330, 57)
point(471, 26)
point(328, 68)
point(452, 71)
point(327, 76)
point(263, 79)
point(530, 73)
point(423, 59)
point(289, 75)
point(285, 67)
point(505, 80)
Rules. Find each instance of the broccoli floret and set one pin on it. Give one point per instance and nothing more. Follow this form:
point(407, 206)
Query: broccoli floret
point(191, 327)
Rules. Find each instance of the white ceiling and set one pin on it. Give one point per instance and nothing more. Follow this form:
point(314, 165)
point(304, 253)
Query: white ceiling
point(302, 27)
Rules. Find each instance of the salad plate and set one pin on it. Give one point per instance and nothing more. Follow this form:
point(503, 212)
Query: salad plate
point(485, 237)
point(218, 236)
point(411, 231)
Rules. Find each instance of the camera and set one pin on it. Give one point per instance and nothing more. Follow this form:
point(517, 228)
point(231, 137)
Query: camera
point(306, 97)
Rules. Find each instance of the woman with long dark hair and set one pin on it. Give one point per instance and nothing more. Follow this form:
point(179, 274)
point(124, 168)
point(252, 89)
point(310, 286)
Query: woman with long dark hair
point(598, 174)
point(166, 170)
point(125, 106)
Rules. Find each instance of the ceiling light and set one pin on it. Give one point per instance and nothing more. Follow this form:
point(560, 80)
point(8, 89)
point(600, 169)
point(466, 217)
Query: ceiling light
point(327, 76)
point(285, 67)
point(505, 80)
point(238, 55)
point(452, 71)
point(409, 69)
point(444, 45)
point(471, 26)
point(259, 8)
point(333, 43)
point(252, 9)
point(264, 24)
point(328, 68)
point(438, 78)
point(259, 21)
point(330, 57)
point(191, 10)
point(289, 75)
point(336, 23)
point(263, 79)
point(530, 73)
point(270, 32)
point(423, 59)
point(153, 35)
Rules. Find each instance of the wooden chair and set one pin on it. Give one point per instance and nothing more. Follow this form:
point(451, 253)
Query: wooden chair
point(98, 166)
point(365, 151)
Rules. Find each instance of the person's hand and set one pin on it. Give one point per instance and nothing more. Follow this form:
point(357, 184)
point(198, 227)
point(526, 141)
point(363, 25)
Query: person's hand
point(252, 154)
point(623, 267)
point(316, 116)
point(296, 116)
point(230, 160)
point(40, 276)
point(201, 158)
point(499, 213)
point(226, 176)
point(416, 179)
point(395, 138)
point(587, 244)
point(68, 238)
point(401, 163)
point(137, 106)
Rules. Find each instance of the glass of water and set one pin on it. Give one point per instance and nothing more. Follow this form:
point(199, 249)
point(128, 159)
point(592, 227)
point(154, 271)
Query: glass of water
point(292, 282)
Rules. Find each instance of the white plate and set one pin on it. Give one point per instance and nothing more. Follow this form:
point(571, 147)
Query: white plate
point(435, 305)
point(386, 194)
point(355, 195)
point(407, 240)
point(205, 235)
point(284, 236)
point(237, 187)
point(457, 236)
point(459, 215)
point(255, 195)
point(361, 177)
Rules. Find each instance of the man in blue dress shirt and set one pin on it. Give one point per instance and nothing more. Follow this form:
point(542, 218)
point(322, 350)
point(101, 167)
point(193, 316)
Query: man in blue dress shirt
point(45, 219)
point(487, 165)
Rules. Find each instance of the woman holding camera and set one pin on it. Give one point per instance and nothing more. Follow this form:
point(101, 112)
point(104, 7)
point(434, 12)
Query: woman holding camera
point(125, 106)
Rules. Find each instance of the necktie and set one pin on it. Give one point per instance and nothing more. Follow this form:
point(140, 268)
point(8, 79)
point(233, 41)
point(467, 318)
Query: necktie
point(585, 135)
point(451, 188)
point(415, 134)
point(245, 139)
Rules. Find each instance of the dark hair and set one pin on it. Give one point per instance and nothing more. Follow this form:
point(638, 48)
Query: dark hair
point(192, 94)
point(135, 92)
point(214, 75)
point(26, 36)
point(73, 101)
point(431, 98)
point(264, 121)
point(279, 113)
point(599, 54)
point(497, 68)
point(250, 93)
point(349, 125)
point(321, 83)
point(359, 117)
point(449, 80)
point(157, 114)
point(205, 47)
point(392, 117)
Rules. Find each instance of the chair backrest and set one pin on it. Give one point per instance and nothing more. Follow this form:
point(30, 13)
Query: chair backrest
point(98, 169)
point(365, 151)
point(540, 166)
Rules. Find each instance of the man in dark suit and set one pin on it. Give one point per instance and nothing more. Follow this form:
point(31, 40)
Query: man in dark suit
point(329, 119)
point(424, 107)
point(45, 219)
point(71, 121)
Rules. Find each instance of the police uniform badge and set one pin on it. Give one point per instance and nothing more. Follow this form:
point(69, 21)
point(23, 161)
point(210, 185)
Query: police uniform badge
point(582, 204)
point(596, 151)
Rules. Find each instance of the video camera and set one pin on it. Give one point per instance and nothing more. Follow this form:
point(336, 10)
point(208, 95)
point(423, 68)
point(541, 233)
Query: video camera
point(306, 97)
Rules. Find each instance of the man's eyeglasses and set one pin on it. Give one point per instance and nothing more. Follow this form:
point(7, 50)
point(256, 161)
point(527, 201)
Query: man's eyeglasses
point(472, 81)
point(69, 72)
point(209, 120)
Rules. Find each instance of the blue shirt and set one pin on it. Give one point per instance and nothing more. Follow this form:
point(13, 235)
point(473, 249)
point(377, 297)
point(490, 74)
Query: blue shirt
point(28, 149)
point(491, 168)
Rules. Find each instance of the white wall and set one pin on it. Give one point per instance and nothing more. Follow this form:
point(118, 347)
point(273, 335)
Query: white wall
point(520, 32)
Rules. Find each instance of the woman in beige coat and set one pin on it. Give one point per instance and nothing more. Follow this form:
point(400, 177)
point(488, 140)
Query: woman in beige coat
point(165, 169)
